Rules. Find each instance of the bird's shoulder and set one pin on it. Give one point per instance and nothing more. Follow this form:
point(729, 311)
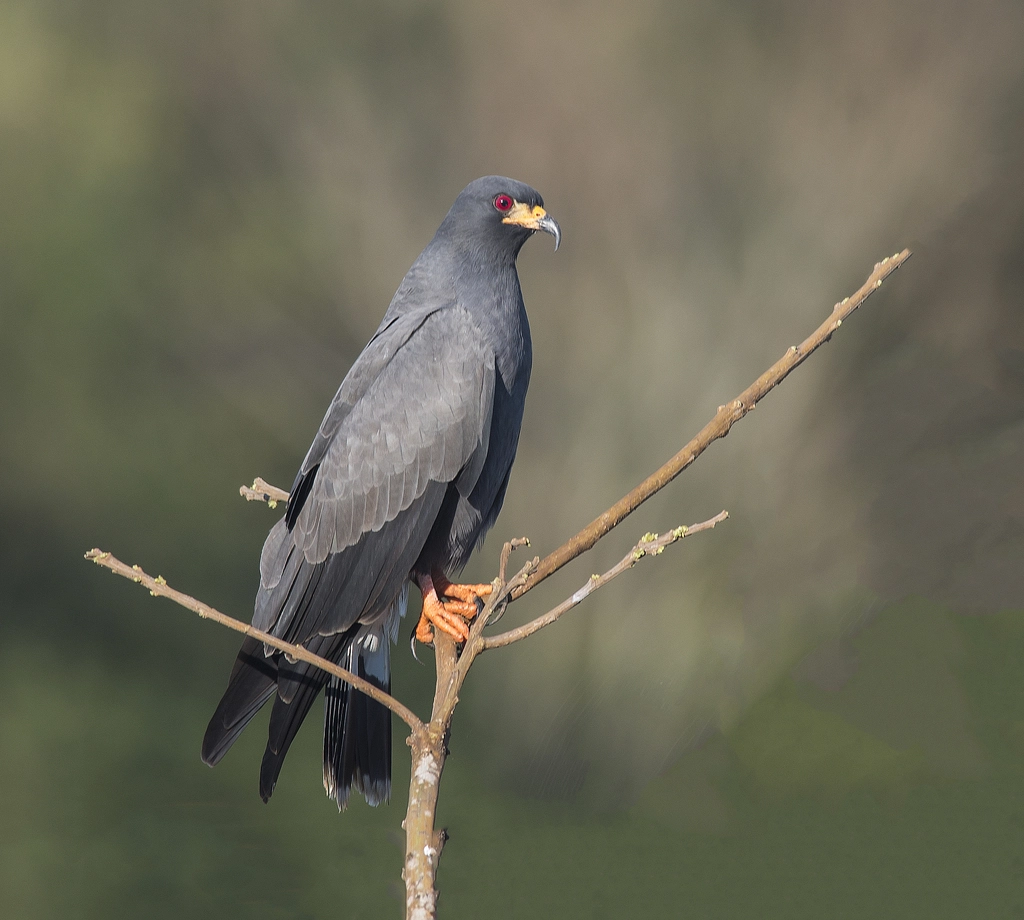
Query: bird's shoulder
point(424, 334)
point(418, 412)
point(419, 386)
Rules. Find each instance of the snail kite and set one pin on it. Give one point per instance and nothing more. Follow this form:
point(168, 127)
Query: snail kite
point(405, 476)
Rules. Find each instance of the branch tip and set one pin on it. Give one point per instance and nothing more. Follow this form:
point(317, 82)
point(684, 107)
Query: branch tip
point(263, 491)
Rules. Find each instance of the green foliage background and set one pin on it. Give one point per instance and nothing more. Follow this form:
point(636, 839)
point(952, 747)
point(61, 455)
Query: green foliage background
point(817, 710)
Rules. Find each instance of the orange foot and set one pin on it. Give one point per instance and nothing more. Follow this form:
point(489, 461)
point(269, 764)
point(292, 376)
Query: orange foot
point(447, 607)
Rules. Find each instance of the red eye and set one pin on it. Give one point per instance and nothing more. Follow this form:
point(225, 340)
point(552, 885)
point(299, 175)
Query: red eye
point(503, 203)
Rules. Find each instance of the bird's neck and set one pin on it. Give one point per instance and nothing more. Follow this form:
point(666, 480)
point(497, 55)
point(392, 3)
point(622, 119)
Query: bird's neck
point(487, 285)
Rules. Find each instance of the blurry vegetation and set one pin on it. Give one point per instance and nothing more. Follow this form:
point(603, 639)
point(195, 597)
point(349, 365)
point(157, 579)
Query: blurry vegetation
point(205, 210)
point(806, 807)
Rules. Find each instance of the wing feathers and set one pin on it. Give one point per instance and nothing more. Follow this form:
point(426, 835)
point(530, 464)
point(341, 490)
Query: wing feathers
point(421, 418)
point(412, 417)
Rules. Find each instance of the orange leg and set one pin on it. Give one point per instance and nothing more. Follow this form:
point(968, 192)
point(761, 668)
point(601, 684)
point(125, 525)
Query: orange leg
point(447, 607)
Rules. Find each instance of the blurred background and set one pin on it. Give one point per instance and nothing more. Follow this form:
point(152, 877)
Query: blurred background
point(815, 710)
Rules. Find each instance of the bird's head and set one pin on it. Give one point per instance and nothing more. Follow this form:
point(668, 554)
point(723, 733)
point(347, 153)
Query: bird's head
point(503, 212)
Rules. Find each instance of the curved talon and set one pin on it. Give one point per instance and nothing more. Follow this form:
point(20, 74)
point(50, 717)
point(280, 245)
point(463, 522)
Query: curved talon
point(423, 633)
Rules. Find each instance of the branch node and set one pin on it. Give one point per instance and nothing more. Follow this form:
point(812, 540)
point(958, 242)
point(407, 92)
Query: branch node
point(506, 552)
point(650, 544)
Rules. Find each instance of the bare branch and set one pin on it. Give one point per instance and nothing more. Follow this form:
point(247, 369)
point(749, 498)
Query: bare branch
point(498, 602)
point(429, 747)
point(649, 545)
point(263, 491)
point(428, 741)
point(159, 587)
point(506, 552)
point(717, 428)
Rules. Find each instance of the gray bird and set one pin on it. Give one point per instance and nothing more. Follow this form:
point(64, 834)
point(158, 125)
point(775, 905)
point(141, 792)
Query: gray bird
point(405, 476)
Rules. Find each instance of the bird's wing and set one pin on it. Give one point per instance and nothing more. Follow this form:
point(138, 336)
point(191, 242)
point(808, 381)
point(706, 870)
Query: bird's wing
point(422, 419)
point(393, 333)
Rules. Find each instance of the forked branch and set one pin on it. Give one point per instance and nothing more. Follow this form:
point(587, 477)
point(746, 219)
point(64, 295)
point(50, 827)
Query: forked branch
point(428, 740)
point(650, 545)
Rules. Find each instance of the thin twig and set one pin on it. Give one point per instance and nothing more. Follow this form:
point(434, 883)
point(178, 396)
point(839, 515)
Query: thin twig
point(717, 428)
point(498, 602)
point(263, 491)
point(649, 545)
point(159, 587)
point(506, 553)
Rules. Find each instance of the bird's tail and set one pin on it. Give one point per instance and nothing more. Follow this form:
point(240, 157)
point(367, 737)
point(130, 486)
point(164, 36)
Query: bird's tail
point(253, 681)
point(357, 729)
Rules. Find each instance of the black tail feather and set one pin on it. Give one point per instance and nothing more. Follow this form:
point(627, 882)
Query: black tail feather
point(285, 719)
point(357, 741)
point(303, 683)
point(357, 729)
point(252, 682)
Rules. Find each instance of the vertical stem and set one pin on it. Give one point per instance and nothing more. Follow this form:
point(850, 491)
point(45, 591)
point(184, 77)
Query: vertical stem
point(422, 843)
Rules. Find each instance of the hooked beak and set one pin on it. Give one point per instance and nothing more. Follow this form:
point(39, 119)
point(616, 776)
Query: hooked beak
point(535, 218)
